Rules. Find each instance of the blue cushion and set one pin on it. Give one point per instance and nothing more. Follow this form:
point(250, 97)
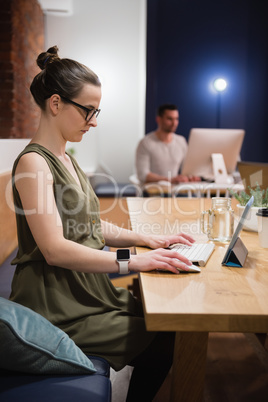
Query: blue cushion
point(31, 344)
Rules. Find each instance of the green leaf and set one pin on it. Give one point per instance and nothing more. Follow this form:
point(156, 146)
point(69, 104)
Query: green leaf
point(260, 196)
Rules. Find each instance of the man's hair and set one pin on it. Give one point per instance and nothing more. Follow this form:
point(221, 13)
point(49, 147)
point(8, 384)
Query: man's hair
point(167, 106)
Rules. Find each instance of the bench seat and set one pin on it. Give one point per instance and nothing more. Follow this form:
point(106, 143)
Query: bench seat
point(23, 387)
point(43, 388)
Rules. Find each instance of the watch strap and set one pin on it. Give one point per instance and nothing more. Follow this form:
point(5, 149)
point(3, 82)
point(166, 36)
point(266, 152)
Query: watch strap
point(123, 267)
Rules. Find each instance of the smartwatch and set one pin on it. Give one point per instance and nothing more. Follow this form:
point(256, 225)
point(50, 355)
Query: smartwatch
point(123, 258)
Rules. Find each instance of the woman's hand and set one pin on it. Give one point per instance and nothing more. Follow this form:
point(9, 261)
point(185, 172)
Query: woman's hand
point(163, 241)
point(163, 259)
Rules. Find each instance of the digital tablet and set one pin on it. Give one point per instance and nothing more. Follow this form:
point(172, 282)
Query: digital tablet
point(238, 229)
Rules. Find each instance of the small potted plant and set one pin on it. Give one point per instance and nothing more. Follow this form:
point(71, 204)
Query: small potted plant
point(260, 201)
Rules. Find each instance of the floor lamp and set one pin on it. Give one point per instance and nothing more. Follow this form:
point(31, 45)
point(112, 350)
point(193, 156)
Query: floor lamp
point(220, 85)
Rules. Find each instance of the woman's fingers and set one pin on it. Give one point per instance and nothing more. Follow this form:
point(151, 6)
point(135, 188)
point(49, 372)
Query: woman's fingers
point(165, 241)
point(175, 259)
point(185, 237)
point(173, 265)
point(161, 259)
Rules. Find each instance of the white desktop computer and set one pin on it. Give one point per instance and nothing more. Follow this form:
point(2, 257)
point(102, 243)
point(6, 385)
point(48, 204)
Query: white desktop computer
point(213, 153)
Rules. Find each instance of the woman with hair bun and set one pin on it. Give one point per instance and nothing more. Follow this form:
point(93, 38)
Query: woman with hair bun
point(62, 269)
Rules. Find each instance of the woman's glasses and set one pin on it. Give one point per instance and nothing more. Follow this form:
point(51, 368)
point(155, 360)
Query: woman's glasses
point(89, 112)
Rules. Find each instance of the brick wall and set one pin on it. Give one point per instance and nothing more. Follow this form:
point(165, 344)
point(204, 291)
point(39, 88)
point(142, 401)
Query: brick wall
point(21, 40)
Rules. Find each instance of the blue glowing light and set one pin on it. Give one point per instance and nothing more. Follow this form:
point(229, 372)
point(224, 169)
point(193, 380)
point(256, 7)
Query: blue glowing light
point(220, 84)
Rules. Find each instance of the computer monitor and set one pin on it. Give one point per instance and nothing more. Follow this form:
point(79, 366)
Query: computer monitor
point(203, 142)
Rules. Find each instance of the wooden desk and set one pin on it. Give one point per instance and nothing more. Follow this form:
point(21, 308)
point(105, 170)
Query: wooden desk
point(219, 299)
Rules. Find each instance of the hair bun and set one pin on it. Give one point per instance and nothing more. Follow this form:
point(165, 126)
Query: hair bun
point(47, 57)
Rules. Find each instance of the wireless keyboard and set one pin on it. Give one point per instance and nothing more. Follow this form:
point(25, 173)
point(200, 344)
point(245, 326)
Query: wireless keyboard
point(198, 253)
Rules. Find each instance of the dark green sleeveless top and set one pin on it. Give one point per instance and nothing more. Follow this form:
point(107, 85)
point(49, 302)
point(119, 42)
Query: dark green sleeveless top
point(101, 319)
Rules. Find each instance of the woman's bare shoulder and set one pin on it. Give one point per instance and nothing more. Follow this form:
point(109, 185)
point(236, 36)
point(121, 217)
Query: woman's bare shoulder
point(31, 162)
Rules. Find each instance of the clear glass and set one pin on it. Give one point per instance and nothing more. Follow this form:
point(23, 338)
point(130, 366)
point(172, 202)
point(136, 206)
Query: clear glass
point(218, 222)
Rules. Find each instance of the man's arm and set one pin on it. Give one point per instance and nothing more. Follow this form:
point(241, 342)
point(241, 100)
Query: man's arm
point(153, 178)
point(142, 162)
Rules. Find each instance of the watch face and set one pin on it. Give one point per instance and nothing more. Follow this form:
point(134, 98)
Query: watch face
point(123, 254)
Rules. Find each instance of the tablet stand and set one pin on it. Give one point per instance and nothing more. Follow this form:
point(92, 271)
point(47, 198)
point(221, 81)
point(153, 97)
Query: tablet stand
point(237, 255)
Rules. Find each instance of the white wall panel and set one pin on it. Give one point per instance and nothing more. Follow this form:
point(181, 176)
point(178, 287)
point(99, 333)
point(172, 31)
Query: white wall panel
point(110, 38)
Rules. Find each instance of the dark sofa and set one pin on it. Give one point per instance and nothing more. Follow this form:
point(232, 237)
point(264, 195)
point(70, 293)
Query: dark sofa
point(60, 385)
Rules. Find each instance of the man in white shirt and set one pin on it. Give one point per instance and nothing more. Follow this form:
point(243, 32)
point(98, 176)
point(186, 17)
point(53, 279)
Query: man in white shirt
point(160, 153)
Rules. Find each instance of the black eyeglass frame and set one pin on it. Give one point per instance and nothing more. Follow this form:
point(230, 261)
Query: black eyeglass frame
point(86, 109)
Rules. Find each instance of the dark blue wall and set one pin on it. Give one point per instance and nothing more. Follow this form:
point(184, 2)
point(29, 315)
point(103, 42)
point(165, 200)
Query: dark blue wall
point(192, 42)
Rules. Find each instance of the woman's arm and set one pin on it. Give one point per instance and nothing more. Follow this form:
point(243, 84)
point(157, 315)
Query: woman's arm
point(34, 183)
point(116, 236)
